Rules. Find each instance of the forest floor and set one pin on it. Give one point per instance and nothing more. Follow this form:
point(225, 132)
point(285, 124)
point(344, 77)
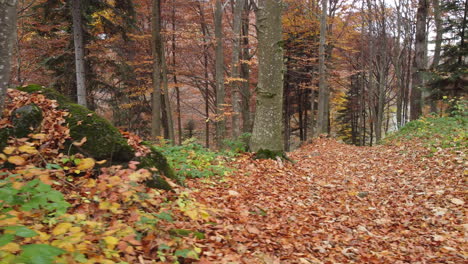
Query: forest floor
point(339, 203)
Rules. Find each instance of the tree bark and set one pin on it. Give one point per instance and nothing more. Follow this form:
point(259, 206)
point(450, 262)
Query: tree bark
point(7, 39)
point(322, 115)
point(418, 62)
point(245, 71)
point(267, 130)
point(235, 74)
point(219, 69)
point(79, 52)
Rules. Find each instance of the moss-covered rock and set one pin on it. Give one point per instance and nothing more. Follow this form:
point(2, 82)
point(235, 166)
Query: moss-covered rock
point(157, 160)
point(48, 92)
point(104, 141)
point(26, 119)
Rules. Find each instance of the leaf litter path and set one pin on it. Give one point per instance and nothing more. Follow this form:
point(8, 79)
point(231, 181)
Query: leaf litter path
point(340, 204)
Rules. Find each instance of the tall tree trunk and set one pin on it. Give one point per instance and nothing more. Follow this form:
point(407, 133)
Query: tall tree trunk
point(205, 68)
point(219, 68)
point(382, 77)
point(438, 45)
point(174, 64)
point(7, 39)
point(418, 62)
point(245, 71)
point(235, 74)
point(79, 52)
point(322, 116)
point(156, 120)
point(267, 130)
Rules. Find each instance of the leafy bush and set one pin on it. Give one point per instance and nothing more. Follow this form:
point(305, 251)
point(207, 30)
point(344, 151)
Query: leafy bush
point(192, 160)
point(239, 145)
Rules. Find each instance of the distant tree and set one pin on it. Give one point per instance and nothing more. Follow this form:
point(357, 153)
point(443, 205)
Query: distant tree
point(267, 129)
point(7, 40)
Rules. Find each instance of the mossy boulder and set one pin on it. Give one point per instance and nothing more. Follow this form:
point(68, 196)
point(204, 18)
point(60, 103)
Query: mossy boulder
point(157, 160)
point(104, 141)
point(26, 120)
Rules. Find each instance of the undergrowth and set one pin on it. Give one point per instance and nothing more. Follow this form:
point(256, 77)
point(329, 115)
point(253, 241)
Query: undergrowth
point(435, 132)
point(192, 160)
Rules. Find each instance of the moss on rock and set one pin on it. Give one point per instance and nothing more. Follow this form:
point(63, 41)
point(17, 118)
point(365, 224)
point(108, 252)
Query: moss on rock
point(270, 154)
point(25, 120)
point(104, 141)
point(157, 160)
point(47, 92)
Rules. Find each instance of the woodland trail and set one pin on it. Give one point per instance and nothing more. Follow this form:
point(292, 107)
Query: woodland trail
point(339, 204)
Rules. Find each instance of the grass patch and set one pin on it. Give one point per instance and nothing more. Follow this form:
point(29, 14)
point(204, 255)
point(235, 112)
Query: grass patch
point(434, 132)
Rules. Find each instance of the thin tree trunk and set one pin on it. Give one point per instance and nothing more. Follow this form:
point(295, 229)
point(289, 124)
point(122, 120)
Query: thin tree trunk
point(382, 78)
point(7, 39)
point(418, 63)
point(439, 32)
point(79, 53)
point(267, 130)
point(205, 67)
point(245, 71)
point(174, 65)
point(235, 74)
point(312, 113)
point(219, 68)
point(156, 119)
point(322, 116)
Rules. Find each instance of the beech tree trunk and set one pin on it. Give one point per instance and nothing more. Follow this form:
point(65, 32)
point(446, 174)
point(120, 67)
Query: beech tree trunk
point(322, 115)
point(267, 129)
point(418, 62)
point(7, 39)
point(235, 74)
point(219, 69)
point(79, 53)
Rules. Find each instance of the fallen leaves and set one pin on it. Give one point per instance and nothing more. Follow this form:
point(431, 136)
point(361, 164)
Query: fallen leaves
point(347, 204)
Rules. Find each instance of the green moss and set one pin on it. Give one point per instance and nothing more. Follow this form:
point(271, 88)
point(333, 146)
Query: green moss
point(270, 154)
point(157, 160)
point(104, 141)
point(48, 92)
point(4, 135)
point(26, 119)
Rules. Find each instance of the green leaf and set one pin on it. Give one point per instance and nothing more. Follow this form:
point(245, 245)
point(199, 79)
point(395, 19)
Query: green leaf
point(165, 216)
point(39, 254)
point(5, 239)
point(22, 231)
point(186, 253)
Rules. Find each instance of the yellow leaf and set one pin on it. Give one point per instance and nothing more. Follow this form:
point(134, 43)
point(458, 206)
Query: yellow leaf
point(11, 247)
point(27, 149)
point(3, 156)
point(38, 136)
point(111, 242)
point(101, 162)
point(61, 228)
point(9, 150)
point(86, 164)
point(17, 160)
